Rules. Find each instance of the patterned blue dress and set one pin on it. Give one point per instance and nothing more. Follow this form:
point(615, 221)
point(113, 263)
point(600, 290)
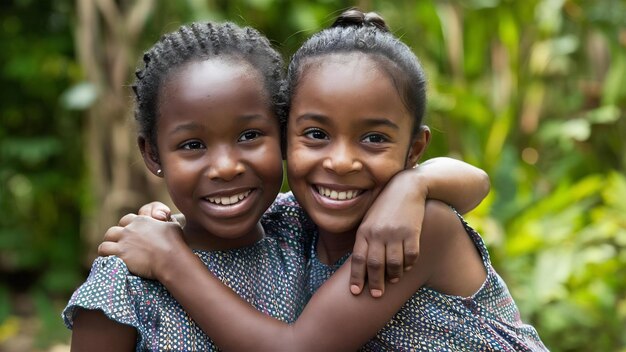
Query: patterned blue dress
point(271, 275)
point(489, 320)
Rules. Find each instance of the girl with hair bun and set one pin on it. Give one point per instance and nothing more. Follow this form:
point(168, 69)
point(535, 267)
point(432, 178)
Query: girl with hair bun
point(357, 99)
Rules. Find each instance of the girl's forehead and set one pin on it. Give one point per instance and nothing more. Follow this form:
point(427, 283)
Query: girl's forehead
point(215, 90)
point(357, 72)
point(216, 78)
point(341, 61)
point(353, 73)
point(218, 69)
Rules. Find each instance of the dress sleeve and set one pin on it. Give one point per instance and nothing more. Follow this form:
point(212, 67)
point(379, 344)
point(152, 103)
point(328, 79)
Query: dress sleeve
point(105, 289)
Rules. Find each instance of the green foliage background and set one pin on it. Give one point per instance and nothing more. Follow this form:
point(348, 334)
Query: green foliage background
point(531, 91)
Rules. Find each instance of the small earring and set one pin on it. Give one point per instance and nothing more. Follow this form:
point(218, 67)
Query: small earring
point(159, 172)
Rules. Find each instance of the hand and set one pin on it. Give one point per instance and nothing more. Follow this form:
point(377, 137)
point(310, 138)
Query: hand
point(144, 244)
point(388, 237)
point(156, 210)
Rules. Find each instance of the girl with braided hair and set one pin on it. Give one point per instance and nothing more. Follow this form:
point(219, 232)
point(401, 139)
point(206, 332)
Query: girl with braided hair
point(210, 101)
point(206, 92)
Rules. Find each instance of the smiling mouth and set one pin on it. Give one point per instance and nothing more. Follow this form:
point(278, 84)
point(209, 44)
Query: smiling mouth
point(230, 200)
point(337, 195)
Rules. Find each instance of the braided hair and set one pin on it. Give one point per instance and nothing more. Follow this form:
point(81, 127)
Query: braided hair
point(367, 33)
point(203, 41)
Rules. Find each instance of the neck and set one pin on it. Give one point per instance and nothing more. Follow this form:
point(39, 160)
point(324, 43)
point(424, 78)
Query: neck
point(197, 237)
point(333, 246)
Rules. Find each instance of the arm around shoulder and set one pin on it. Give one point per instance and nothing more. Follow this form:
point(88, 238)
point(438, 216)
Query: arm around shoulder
point(334, 319)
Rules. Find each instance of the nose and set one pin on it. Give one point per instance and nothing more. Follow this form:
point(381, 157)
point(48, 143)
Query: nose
point(342, 159)
point(225, 164)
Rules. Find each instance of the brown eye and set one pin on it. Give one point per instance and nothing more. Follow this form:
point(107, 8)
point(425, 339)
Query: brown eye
point(249, 135)
point(316, 134)
point(374, 138)
point(192, 145)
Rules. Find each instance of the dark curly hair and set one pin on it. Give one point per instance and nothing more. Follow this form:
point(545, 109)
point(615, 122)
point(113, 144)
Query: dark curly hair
point(367, 33)
point(203, 41)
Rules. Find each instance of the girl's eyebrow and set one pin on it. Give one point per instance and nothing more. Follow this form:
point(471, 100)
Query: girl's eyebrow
point(367, 122)
point(313, 117)
point(193, 126)
point(248, 118)
point(378, 121)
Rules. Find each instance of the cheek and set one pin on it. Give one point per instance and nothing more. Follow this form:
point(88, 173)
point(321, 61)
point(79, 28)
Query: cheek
point(385, 168)
point(299, 160)
point(180, 177)
point(269, 162)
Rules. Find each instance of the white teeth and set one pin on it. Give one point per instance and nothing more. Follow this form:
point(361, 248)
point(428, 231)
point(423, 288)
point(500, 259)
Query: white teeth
point(337, 195)
point(228, 200)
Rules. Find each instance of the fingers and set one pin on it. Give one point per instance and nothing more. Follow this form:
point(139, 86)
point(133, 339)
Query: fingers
point(108, 248)
point(411, 252)
point(113, 234)
point(357, 266)
point(156, 210)
point(127, 219)
point(376, 268)
point(178, 219)
point(146, 209)
point(394, 261)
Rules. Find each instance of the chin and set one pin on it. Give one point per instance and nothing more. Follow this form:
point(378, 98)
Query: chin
point(334, 225)
point(236, 231)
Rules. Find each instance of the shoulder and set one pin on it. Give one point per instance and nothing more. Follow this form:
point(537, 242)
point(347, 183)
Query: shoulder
point(111, 268)
point(105, 289)
point(440, 218)
point(286, 220)
point(458, 268)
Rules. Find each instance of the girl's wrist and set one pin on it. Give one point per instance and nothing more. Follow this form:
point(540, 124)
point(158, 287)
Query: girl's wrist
point(421, 182)
point(172, 265)
point(169, 251)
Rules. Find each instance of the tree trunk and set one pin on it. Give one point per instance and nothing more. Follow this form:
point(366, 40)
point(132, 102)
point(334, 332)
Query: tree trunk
point(107, 33)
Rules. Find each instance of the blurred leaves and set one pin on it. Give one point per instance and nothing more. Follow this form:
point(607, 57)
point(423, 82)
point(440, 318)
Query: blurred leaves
point(562, 255)
point(40, 158)
point(80, 96)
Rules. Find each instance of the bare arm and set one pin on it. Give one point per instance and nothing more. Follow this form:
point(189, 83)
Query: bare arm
point(93, 332)
point(453, 182)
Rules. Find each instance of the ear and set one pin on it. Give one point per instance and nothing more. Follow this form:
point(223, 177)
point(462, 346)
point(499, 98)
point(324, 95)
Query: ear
point(418, 146)
point(150, 155)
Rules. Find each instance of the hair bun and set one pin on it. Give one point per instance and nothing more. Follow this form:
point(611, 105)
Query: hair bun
point(357, 18)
